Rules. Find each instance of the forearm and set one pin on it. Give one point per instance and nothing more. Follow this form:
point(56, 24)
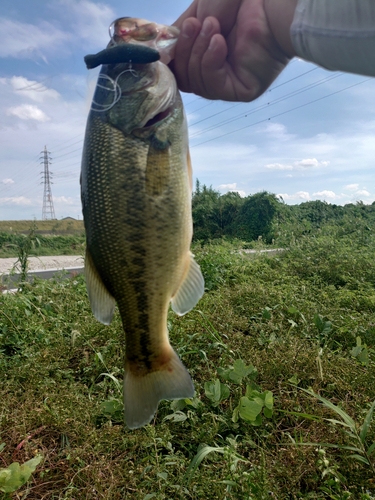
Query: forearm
point(280, 14)
point(336, 34)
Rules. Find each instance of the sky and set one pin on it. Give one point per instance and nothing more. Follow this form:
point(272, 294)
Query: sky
point(311, 136)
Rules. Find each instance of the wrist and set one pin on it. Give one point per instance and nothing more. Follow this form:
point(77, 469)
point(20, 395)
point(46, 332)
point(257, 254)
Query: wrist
point(280, 14)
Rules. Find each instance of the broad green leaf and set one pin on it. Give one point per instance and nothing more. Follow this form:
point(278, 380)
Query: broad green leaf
point(235, 415)
point(366, 423)
point(17, 475)
point(259, 400)
point(294, 380)
point(252, 393)
point(212, 390)
point(225, 392)
point(2, 446)
point(149, 496)
point(249, 410)
point(162, 475)
point(258, 420)
point(240, 371)
point(178, 416)
point(363, 356)
point(268, 400)
point(216, 391)
point(112, 406)
point(293, 310)
point(266, 314)
point(371, 449)
point(178, 404)
point(267, 412)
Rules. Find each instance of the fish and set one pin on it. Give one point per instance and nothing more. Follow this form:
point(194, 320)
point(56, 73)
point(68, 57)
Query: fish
point(136, 188)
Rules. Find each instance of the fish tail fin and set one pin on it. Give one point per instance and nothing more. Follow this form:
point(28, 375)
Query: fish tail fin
point(142, 392)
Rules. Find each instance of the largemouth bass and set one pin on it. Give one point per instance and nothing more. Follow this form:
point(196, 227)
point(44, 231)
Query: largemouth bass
point(136, 184)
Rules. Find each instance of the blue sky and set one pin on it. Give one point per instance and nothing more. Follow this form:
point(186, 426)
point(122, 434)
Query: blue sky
point(311, 136)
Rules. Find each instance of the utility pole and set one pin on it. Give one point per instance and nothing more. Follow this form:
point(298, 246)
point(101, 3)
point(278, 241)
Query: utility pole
point(48, 212)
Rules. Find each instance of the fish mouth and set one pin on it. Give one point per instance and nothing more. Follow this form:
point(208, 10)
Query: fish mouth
point(159, 117)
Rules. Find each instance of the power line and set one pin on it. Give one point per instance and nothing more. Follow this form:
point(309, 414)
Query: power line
point(241, 103)
point(245, 114)
point(282, 113)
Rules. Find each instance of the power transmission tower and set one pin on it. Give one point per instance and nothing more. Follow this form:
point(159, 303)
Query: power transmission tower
point(48, 212)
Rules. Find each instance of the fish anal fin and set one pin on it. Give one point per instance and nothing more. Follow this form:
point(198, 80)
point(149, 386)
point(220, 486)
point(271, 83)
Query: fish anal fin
point(143, 391)
point(190, 290)
point(101, 301)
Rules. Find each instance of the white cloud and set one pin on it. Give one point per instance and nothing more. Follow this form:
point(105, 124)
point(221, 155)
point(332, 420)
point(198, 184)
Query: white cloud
point(16, 200)
point(228, 187)
point(63, 200)
point(32, 89)
point(91, 20)
point(326, 194)
point(362, 192)
point(304, 164)
point(310, 163)
point(300, 195)
point(351, 187)
point(279, 166)
point(25, 41)
point(232, 188)
point(7, 181)
point(277, 131)
point(28, 112)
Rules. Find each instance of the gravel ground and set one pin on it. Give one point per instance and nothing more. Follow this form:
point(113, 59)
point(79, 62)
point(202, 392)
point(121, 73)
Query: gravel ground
point(39, 263)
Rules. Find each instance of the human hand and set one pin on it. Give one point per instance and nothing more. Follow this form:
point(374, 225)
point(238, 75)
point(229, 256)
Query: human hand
point(228, 50)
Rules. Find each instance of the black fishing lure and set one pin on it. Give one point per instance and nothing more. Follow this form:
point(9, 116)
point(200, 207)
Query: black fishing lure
point(125, 53)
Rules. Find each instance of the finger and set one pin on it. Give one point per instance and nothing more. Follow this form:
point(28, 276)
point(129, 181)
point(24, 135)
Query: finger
point(191, 11)
point(210, 27)
point(180, 65)
point(214, 67)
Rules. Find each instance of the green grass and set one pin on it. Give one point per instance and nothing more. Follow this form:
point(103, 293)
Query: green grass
point(10, 244)
point(63, 226)
point(267, 330)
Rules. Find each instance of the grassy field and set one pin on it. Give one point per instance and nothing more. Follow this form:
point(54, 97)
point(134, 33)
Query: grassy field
point(281, 350)
point(37, 238)
point(64, 226)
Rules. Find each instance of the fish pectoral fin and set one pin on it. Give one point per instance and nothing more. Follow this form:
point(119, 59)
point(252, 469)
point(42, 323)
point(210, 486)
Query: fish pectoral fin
point(101, 301)
point(143, 392)
point(190, 290)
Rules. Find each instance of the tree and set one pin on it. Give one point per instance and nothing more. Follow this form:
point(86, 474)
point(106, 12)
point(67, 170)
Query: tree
point(256, 217)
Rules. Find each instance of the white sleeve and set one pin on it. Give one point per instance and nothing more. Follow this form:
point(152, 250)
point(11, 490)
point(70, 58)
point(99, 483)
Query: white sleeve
point(336, 34)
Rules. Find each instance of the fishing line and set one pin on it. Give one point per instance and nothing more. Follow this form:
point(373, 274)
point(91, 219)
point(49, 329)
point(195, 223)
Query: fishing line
point(116, 90)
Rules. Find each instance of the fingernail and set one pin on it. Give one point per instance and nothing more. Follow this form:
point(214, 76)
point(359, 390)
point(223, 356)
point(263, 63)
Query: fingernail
point(206, 28)
point(188, 29)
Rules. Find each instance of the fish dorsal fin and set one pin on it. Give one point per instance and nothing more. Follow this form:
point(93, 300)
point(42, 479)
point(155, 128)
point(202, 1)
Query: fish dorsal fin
point(190, 290)
point(101, 301)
